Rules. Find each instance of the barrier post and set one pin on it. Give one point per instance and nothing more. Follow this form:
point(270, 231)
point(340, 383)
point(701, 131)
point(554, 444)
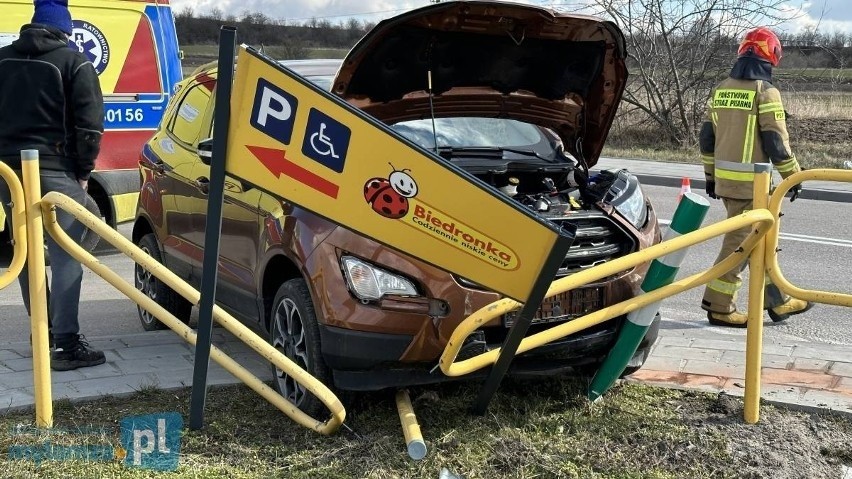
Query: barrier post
point(410, 428)
point(688, 217)
point(519, 330)
point(38, 289)
point(756, 285)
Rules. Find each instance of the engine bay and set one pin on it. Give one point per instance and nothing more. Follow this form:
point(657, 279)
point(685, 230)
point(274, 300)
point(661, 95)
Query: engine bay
point(552, 192)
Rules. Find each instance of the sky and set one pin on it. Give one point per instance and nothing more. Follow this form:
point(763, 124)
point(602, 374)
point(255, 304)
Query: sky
point(826, 15)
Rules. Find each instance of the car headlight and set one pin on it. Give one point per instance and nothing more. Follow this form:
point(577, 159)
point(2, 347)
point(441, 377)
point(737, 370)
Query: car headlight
point(627, 198)
point(370, 282)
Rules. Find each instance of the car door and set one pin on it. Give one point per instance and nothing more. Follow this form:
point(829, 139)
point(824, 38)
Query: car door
point(239, 237)
point(173, 155)
point(238, 242)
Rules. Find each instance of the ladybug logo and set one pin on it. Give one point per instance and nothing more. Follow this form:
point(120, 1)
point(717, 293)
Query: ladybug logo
point(389, 196)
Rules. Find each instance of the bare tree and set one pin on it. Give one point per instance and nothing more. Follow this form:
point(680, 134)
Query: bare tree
point(677, 50)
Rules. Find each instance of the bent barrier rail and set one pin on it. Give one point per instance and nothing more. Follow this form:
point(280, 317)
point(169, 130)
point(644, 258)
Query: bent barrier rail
point(338, 414)
point(18, 221)
point(761, 219)
point(772, 268)
point(28, 209)
point(759, 247)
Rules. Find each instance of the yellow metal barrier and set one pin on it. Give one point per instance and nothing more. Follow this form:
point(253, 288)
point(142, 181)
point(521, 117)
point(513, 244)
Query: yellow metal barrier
point(760, 248)
point(761, 219)
point(338, 414)
point(756, 284)
point(19, 226)
point(772, 268)
point(410, 428)
point(40, 329)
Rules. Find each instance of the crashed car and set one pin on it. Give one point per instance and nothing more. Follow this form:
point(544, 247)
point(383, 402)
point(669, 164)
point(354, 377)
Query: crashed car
point(521, 97)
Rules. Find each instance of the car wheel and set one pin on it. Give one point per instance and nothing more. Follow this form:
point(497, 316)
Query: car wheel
point(90, 239)
point(155, 289)
point(294, 331)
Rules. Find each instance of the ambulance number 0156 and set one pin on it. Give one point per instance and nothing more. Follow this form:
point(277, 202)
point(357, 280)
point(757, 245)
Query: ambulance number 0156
point(124, 115)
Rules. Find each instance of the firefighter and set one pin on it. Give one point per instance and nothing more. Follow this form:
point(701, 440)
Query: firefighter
point(745, 124)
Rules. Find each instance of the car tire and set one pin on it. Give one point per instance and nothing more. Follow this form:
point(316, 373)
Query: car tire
point(90, 239)
point(155, 289)
point(294, 331)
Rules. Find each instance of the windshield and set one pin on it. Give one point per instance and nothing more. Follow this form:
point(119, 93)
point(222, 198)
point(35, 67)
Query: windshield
point(465, 132)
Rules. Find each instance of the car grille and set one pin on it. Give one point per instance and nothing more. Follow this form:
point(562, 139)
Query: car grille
point(598, 240)
point(568, 305)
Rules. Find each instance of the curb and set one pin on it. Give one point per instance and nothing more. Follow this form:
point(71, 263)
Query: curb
point(807, 193)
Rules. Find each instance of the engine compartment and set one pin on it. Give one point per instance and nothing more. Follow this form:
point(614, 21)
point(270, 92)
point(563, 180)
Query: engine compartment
point(551, 192)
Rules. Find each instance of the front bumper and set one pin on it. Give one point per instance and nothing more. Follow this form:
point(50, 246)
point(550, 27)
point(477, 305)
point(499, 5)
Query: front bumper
point(370, 361)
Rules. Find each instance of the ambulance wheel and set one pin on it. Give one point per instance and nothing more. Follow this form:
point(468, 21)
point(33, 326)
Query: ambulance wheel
point(155, 289)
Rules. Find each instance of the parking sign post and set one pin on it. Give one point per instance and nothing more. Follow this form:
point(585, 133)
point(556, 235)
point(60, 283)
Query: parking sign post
point(519, 330)
point(216, 195)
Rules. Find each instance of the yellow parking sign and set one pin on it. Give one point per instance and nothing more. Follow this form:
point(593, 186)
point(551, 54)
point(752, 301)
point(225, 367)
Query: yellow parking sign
point(292, 139)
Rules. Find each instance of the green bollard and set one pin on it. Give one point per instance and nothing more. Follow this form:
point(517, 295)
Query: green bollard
point(688, 217)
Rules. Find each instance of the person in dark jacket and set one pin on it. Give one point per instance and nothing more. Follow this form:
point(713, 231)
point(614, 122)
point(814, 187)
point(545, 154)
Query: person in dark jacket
point(51, 101)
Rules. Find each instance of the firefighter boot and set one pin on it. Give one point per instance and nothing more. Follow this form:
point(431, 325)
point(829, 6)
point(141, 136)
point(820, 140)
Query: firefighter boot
point(789, 308)
point(734, 319)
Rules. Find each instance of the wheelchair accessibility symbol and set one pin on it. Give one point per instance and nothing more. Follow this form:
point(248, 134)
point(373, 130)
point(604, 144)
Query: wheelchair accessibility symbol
point(325, 147)
point(326, 140)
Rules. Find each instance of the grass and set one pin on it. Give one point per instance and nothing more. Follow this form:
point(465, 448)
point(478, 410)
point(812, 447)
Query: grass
point(818, 125)
point(810, 154)
point(548, 430)
point(832, 74)
point(823, 104)
point(327, 52)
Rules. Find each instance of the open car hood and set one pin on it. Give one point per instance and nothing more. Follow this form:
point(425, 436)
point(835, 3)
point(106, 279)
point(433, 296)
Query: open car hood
point(492, 59)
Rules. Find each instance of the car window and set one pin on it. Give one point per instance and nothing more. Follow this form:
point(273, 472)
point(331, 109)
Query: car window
point(189, 114)
point(471, 132)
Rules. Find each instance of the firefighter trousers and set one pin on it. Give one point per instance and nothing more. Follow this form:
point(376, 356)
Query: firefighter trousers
point(720, 295)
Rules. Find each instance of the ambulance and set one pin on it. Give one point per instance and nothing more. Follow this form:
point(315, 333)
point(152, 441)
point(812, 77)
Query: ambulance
point(134, 48)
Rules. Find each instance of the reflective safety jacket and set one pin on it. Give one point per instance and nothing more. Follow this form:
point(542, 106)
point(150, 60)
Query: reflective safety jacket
point(745, 124)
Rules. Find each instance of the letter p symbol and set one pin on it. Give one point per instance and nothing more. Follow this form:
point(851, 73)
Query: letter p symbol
point(273, 104)
point(138, 450)
point(152, 441)
point(273, 111)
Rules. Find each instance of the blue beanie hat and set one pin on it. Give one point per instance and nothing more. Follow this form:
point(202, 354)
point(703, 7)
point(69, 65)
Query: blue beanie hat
point(53, 13)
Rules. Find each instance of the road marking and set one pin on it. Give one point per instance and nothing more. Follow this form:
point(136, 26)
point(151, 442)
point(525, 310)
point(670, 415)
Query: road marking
point(802, 238)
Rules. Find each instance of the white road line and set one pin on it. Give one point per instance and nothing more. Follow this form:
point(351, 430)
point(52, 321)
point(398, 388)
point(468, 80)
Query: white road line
point(802, 238)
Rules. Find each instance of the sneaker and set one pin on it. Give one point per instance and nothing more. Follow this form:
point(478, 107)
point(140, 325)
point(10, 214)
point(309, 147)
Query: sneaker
point(791, 307)
point(77, 356)
point(734, 319)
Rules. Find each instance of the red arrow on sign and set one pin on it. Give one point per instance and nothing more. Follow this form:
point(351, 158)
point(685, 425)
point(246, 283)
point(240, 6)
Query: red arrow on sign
point(276, 162)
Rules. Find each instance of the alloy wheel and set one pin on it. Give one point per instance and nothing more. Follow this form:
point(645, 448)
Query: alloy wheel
point(288, 337)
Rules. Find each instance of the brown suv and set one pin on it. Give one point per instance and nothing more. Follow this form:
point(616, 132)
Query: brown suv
point(522, 98)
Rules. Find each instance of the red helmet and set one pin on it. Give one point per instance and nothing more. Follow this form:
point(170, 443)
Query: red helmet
point(762, 43)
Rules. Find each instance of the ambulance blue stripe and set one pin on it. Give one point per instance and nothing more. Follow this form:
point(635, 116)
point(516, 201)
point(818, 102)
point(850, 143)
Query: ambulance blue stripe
point(163, 24)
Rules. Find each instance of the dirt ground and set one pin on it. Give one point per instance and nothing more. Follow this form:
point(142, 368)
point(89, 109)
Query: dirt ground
point(820, 130)
point(784, 444)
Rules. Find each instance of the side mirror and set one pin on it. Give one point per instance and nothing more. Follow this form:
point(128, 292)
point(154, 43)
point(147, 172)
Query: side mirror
point(205, 151)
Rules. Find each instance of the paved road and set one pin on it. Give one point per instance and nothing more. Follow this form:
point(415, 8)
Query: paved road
point(103, 311)
point(816, 253)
